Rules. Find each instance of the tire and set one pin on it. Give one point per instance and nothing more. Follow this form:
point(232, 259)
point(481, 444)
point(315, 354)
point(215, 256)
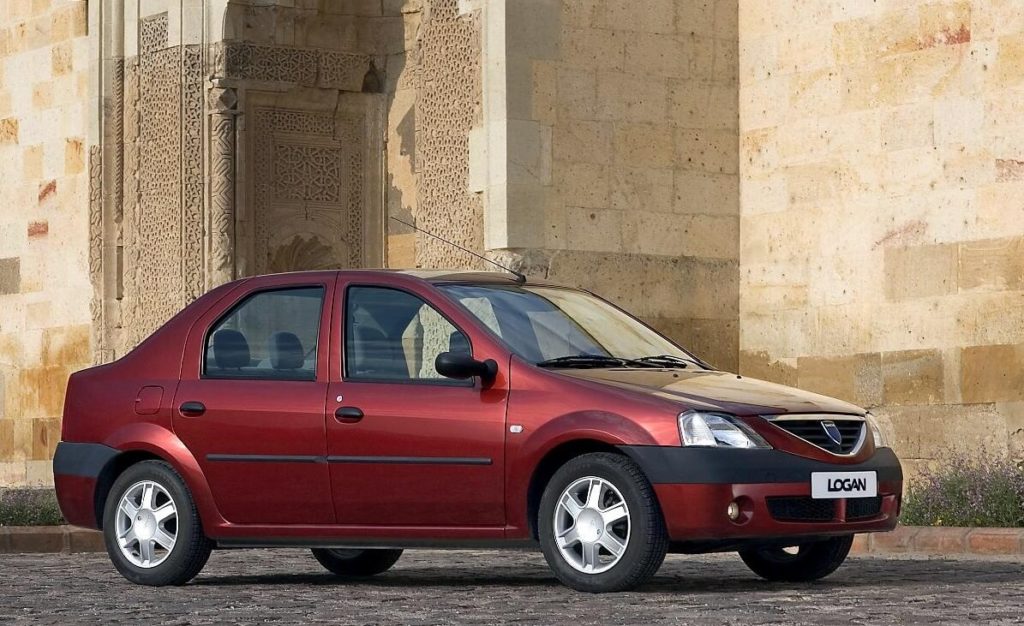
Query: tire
point(603, 486)
point(356, 563)
point(190, 549)
point(812, 561)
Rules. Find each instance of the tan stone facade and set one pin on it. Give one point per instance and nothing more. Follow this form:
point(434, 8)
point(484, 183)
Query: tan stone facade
point(45, 69)
point(883, 212)
point(822, 193)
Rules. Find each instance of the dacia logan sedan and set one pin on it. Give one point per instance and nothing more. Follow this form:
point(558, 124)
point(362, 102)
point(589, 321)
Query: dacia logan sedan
point(359, 413)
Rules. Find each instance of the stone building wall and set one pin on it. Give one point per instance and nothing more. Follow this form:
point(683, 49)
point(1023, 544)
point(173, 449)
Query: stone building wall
point(613, 162)
point(882, 196)
point(44, 277)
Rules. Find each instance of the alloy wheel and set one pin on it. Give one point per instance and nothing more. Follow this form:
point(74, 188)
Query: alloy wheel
point(591, 525)
point(147, 524)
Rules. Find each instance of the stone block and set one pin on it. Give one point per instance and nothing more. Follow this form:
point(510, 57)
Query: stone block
point(995, 264)
point(583, 184)
point(38, 228)
point(595, 49)
point(907, 126)
point(81, 540)
point(760, 365)
point(901, 539)
point(656, 17)
point(697, 104)
point(1006, 71)
point(641, 188)
point(577, 94)
point(630, 98)
point(643, 145)
point(713, 340)
point(8, 130)
point(598, 230)
point(659, 55)
point(583, 141)
point(10, 275)
point(856, 378)
point(992, 373)
point(74, 155)
point(707, 151)
point(995, 541)
point(940, 540)
point(920, 271)
point(913, 377)
point(705, 193)
point(861, 544)
point(42, 539)
point(60, 59)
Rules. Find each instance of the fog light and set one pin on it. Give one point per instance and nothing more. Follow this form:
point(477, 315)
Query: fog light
point(733, 511)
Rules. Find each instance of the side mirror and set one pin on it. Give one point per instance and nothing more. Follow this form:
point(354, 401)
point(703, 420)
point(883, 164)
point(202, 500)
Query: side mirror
point(461, 365)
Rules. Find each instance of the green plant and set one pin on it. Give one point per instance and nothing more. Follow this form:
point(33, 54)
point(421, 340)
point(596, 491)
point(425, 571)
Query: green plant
point(968, 491)
point(29, 507)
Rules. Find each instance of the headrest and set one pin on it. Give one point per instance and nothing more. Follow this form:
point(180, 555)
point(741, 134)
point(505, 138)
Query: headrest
point(457, 342)
point(230, 349)
point(286, 351)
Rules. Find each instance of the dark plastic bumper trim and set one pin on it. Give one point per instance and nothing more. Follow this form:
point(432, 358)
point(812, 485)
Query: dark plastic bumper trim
point(682, 465)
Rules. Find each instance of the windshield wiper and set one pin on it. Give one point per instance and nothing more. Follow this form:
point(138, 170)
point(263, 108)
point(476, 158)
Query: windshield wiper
point(585, 360)
point(671, 361)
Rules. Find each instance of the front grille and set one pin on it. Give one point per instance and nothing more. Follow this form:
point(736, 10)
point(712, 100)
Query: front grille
point(811, 430)
point(863, 508)
point(801, 509)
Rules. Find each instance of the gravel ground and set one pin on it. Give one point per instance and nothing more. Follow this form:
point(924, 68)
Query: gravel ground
point(490, 587)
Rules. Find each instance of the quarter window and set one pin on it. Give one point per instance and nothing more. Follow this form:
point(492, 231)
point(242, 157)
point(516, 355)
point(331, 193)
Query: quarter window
point(394, 335)
point(270, 335)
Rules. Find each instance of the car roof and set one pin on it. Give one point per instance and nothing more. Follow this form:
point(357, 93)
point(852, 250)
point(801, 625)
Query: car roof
point(436, 276)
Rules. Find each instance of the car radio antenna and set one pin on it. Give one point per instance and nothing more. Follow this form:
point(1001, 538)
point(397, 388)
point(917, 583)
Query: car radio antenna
point(520, 277)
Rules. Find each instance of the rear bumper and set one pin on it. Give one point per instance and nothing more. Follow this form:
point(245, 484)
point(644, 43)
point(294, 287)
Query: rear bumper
point(695, 487)
point(77, 468)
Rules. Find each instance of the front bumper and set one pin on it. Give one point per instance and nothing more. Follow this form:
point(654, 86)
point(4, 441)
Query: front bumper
point(772, 488)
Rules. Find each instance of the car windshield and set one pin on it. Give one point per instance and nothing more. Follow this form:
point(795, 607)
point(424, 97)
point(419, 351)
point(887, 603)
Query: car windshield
point(560, 327)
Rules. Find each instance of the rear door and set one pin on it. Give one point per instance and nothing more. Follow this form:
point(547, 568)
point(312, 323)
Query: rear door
point(250, 405)
point(406, 446)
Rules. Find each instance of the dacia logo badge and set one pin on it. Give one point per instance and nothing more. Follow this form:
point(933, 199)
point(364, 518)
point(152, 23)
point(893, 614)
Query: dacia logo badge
point(833, 433)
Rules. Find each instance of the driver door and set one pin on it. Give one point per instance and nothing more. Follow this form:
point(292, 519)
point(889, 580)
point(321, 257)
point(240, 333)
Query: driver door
point(406, 446)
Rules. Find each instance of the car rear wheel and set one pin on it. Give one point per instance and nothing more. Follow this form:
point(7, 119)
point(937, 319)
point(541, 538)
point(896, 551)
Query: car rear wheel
point(356, 563)
point(600, 525)
point(151, 527)
point(801, 563)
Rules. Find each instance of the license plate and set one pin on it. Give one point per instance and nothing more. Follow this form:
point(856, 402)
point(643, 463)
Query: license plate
point(830, 485)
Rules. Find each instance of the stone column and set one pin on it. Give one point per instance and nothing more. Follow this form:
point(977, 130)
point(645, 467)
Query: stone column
point(223, 147)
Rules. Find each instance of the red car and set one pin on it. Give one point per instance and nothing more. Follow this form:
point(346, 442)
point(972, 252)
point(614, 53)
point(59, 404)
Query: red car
point(358, 413)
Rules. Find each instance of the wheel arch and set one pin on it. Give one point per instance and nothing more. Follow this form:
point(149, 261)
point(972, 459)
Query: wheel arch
point(553, 459)
point(146, 441)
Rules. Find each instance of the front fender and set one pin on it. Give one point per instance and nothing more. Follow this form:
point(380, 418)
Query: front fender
point(526, 451)
point(163, 443)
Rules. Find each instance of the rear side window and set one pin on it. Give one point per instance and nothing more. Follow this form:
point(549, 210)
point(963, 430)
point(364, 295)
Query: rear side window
point(271, 335)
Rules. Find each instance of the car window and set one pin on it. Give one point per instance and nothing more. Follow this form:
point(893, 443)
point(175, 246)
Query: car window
point(269, 335)
point(394, 335)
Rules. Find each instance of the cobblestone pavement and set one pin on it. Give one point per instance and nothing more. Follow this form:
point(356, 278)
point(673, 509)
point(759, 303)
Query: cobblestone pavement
point(428, 587)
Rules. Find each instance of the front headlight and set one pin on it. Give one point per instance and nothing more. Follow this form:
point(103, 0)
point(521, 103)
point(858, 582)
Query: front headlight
point(717, 430)
point(876, 431)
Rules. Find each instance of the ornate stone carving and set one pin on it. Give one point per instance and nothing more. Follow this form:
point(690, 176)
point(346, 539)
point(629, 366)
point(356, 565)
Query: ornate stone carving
point(96, 247)
point(303, 66)
point(447, 107)
point(222, 187)
point(192, 107)
point(270, 63)
point(307, 174)
point(153, 33)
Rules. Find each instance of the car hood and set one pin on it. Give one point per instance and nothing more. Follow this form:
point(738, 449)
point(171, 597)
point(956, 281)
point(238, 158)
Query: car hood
point(712, 390)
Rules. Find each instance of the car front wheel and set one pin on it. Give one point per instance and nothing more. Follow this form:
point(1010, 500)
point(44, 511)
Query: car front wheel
point(151, 527)
point(600, 525)
point(801, 563)
point(356, 563)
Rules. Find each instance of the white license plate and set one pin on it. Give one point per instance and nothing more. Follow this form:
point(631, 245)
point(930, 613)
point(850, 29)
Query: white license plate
point(828, 485)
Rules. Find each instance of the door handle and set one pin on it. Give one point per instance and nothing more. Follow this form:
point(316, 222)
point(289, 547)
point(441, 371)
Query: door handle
point(192, 408)
point(348, 414)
